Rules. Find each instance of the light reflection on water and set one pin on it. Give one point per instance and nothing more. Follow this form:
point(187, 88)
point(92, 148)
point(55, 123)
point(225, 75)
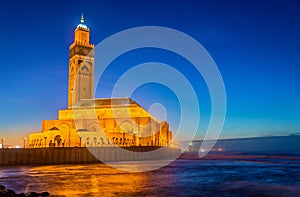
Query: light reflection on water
point(180, 178)
point(69, 180)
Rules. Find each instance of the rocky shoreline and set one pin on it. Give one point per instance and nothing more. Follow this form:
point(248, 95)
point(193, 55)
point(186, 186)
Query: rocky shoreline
point(4, 192)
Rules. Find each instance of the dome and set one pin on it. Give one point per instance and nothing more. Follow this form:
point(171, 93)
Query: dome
point(82, 25)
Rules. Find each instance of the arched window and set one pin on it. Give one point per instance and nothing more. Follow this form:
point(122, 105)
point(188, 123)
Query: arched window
point(72, 70)
point(84, 70)
point(57, 140)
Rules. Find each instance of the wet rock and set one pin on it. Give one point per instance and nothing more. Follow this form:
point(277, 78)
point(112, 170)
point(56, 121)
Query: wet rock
point(2, 187)
point(45, 194)
point(10, 193)
point(34, 194)
point(7, 193)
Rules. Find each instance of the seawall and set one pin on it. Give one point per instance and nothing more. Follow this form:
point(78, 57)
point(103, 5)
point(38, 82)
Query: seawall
point(81, 155)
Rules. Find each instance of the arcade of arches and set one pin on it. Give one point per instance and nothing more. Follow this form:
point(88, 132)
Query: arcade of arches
point(102, 122)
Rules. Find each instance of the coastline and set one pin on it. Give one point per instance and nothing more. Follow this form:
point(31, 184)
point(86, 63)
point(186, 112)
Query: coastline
point(82, 155)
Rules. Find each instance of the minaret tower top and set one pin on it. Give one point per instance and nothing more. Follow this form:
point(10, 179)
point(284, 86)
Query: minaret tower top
point(82, 34)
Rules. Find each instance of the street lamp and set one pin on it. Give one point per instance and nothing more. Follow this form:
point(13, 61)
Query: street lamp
point(45, 141)
point(24, 139)
point(80, 138)
point(123, 138)
point(95, 141)
point(2, 142)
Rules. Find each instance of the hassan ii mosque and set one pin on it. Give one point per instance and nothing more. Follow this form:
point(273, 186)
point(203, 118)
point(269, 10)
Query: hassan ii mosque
point(97, 122)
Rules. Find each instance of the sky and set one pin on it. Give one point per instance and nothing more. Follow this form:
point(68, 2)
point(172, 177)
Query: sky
point(255, 44)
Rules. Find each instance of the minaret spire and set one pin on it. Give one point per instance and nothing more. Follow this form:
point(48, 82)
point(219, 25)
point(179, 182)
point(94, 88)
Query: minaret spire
point(81, 24)
point(82, 18)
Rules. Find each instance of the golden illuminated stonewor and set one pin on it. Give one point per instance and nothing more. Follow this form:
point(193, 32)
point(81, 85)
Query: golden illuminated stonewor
point(97, 122)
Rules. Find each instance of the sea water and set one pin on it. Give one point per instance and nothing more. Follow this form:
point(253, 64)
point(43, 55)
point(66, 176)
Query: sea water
point(226, 174)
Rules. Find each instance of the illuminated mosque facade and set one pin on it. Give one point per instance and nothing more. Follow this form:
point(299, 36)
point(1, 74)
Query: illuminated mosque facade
point(97, 122)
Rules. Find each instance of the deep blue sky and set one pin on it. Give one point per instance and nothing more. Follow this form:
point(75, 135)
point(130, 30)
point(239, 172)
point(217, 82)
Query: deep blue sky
point(256, 45)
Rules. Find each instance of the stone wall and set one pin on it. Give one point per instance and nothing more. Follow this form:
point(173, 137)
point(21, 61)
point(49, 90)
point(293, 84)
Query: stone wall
point(78, 155)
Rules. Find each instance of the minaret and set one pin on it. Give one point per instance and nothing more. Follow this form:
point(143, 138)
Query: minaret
point(81, 66)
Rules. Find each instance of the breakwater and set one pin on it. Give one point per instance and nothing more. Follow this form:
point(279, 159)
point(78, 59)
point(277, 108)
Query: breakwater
point(81, 155)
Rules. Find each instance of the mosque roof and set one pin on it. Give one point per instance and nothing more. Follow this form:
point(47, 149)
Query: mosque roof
point(104, 102)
